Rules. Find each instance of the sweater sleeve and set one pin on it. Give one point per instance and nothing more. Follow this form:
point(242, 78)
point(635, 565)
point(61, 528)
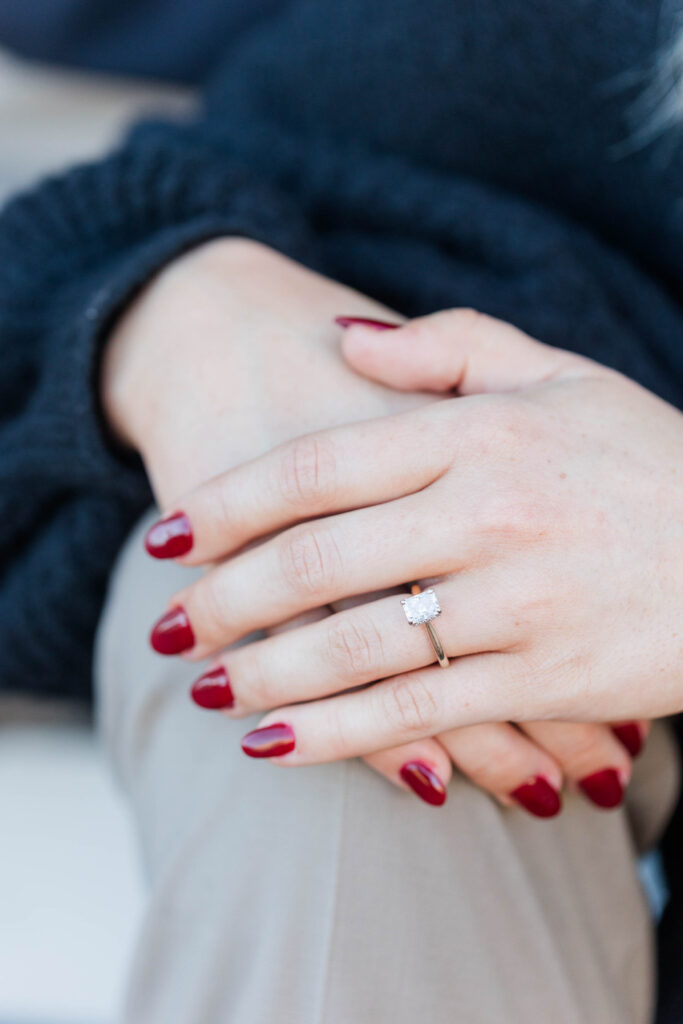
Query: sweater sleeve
point(72, 253)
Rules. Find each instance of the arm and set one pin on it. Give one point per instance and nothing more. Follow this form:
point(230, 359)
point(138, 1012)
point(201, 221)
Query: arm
point(73, 253)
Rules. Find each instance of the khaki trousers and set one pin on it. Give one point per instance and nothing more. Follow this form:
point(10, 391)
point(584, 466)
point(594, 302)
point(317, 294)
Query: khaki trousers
point(325, 896)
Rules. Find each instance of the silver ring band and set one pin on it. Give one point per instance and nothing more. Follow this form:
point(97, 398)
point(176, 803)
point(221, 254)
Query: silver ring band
point(421, 608)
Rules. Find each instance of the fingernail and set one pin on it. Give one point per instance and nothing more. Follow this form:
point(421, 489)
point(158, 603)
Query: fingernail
point(213, 690)
point(630, 736)
point(170, 537)
point(604, 788)
point(271, 741)
point(424, 783)
point(172, 634)
point(363, 321)
point(538, 797)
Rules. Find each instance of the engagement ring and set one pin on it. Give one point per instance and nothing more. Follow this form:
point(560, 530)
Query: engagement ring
point(421, 608)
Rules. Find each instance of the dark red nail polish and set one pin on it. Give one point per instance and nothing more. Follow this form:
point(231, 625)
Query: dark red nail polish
point(172, 634)
point(604, 788)
point(363, 321)
point(213, 690)
point(424, 783)
point(538, 797)
point(170, 537)
point(271, 741)
point(630, 736)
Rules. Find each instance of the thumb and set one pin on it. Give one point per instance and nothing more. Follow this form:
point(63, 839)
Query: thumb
point(455, 350)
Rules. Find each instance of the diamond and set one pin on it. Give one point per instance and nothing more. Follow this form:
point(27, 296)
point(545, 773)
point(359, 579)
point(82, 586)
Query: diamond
point(421, 608)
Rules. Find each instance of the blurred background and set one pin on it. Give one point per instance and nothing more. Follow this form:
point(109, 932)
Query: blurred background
point(70, 880)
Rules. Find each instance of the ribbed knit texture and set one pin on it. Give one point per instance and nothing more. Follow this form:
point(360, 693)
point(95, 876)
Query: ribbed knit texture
point(72, 253)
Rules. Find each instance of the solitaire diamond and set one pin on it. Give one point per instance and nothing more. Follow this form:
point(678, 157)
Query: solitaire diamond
point(421, 608)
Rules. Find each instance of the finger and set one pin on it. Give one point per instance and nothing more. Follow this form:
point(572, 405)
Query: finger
point(330, 471)
point(214, 689)
point(358, 646)
point(360, 599)
point(632, 735)
point(402, 709)
point(422, 768)
point(314, 615)
point(456, 350)
point(309, 566)
point(591, 757)
point(500, 759)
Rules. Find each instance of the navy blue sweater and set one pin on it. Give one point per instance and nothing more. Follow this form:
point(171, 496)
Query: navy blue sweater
point(430, 153)
point(174, 39)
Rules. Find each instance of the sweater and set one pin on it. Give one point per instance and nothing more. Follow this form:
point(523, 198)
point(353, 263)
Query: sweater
point(430, 154)
point(133, 37)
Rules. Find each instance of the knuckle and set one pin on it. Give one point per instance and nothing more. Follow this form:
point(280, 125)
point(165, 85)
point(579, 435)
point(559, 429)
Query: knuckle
point(410, 707)
point(308, 472)
point(354, 650)
point(310, 561)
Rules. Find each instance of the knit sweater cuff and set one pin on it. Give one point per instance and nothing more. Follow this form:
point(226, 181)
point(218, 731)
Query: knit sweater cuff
point(77, 250)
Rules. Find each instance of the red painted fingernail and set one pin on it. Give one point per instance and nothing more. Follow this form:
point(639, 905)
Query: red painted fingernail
point(604, 788)
point(172, 634)
point(213, 690)
point(170, 537)
point(424, 783)
point(271, 741)
point(538, 797)
point(630, 736)
point(363, 321)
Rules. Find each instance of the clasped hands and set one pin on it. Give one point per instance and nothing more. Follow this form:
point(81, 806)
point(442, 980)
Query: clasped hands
point(541, 496)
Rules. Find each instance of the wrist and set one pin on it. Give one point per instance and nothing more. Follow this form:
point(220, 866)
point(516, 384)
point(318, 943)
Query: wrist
point(143, 354)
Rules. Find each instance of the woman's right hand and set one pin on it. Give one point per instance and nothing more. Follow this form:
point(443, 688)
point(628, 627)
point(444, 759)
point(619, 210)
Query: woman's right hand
point(526, 765)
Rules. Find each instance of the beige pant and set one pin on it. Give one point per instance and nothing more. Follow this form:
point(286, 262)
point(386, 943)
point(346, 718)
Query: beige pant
point(326, 896)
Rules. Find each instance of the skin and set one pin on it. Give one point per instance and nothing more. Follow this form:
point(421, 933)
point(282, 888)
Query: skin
point(233, 311)
point(553, 492)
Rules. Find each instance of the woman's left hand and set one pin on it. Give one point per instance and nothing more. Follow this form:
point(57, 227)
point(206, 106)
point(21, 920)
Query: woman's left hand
point(546, 507)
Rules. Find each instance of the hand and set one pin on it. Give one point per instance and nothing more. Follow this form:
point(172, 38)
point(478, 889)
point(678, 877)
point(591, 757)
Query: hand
point(523, 765)
point(549, 518)
point(520, 766)
point(229, 351)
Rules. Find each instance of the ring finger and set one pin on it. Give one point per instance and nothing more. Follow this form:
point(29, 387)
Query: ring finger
point(356, 646)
